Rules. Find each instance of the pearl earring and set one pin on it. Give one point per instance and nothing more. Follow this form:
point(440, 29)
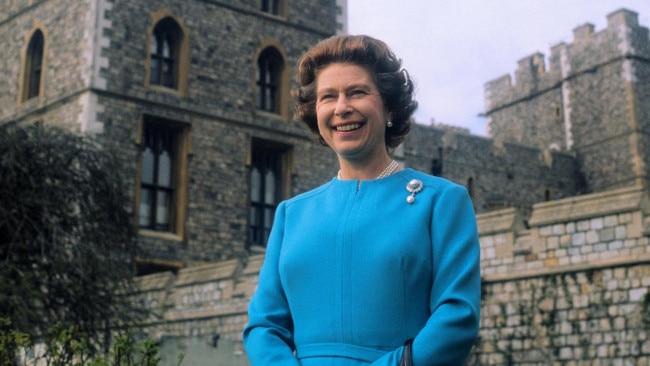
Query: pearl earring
point(389, 124)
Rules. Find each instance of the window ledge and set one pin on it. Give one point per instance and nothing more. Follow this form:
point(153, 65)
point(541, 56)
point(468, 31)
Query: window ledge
point(257, 249)
point(270, 115)
point(164, 89)
point(159, 235)
point(281, 17)
point(30, 103)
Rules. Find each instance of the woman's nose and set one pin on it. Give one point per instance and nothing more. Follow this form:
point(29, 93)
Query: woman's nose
point(342, 106)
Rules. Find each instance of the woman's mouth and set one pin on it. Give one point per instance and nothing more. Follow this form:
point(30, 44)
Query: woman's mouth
point(347, 128)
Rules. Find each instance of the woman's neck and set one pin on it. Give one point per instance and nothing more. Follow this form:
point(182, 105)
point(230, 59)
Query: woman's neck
point(375, 169)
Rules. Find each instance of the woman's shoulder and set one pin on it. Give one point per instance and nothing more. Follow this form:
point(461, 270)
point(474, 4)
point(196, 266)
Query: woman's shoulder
point(428, 180)
point(432, 186)
point(309, 194)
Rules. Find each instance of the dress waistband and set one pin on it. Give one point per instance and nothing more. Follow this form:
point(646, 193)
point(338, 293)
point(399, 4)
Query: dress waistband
point(361, 353)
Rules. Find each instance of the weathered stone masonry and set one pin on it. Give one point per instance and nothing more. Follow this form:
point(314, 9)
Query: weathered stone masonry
point(572, 287)
point(592, 101)
point(95, 81)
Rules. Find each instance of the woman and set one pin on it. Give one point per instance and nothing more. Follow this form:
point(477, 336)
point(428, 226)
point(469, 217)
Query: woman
point(380, 254)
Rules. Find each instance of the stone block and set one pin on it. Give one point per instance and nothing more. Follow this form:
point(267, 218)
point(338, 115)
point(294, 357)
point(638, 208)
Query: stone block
point(592, 237)
point(207, 273)
point(637, 294)
point(500, 221)
point(604, 203)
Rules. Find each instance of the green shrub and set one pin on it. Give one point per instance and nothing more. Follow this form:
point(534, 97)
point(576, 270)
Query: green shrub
point(67, 346)
point(11, 341)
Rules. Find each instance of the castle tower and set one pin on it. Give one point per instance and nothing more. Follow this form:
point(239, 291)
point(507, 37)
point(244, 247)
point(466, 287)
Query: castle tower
point(594, 101)
point(195, 96)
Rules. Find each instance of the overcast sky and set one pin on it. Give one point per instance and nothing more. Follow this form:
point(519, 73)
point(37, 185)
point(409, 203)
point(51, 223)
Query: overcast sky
point(453, 47)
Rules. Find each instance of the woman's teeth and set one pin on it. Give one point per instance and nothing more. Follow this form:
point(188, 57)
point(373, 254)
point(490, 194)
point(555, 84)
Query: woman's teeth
point(346, 128)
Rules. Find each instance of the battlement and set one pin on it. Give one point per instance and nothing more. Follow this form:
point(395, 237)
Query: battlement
point(530, 77)
point(623, 36)
point(583, 33)
point(623, 17)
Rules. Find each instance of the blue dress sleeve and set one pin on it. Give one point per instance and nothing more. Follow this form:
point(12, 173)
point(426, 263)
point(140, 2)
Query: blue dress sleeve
point(452, 328)
point(268, 336)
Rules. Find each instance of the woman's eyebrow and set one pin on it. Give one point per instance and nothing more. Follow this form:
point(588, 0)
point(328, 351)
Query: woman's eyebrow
point(364, 86)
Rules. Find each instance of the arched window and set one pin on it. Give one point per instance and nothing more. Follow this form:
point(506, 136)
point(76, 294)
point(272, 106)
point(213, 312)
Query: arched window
point(33, 66)
point(165, 53)
point(270, 65)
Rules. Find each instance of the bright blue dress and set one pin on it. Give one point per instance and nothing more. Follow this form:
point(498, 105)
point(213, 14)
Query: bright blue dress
point(351, 272)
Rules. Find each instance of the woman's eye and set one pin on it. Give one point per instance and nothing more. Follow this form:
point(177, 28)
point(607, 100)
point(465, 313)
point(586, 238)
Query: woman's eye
point(326, 96)
point(357, 92)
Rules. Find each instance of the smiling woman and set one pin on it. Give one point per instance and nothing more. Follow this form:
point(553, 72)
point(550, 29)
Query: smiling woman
point(352, 119)
point(390, 80)
point(392, 262)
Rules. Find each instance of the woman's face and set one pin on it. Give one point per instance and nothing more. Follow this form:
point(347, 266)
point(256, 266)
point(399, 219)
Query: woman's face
point(350, 112)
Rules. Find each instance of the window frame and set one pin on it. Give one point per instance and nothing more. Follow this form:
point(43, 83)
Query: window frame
point(32, 76)
point(276, 8)
point(268, 80)
point(282, 80)
point(283, 156)
point(179, 52)
point(163, 38)
point(179, 177)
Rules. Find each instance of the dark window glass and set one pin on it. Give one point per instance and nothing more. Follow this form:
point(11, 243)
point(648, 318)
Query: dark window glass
point(34, 65)
point(165, 45)
point(265, 192)
point(157, 177)
point(271, 6)
point(269, 69)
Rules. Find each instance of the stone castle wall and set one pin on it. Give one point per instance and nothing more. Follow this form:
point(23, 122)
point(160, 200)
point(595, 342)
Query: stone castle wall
point(63, 67)
point(592, 101)
point(225, 38)
point(204, 303)
point(571, 285)
point(95, 80)
point(501, 174)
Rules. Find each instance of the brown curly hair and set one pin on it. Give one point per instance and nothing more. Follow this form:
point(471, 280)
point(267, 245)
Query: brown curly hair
point(393, 82)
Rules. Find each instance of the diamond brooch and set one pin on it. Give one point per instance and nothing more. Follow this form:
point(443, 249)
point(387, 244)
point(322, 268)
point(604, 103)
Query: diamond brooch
point(414, 186)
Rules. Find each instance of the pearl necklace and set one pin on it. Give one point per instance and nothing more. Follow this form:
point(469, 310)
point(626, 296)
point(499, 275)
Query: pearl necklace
point(388, 171)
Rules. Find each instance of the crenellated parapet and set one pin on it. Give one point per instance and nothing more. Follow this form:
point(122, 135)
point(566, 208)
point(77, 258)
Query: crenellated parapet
point(531, 77)
point(623, 37)
point(591, 101)
point(574, 233)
